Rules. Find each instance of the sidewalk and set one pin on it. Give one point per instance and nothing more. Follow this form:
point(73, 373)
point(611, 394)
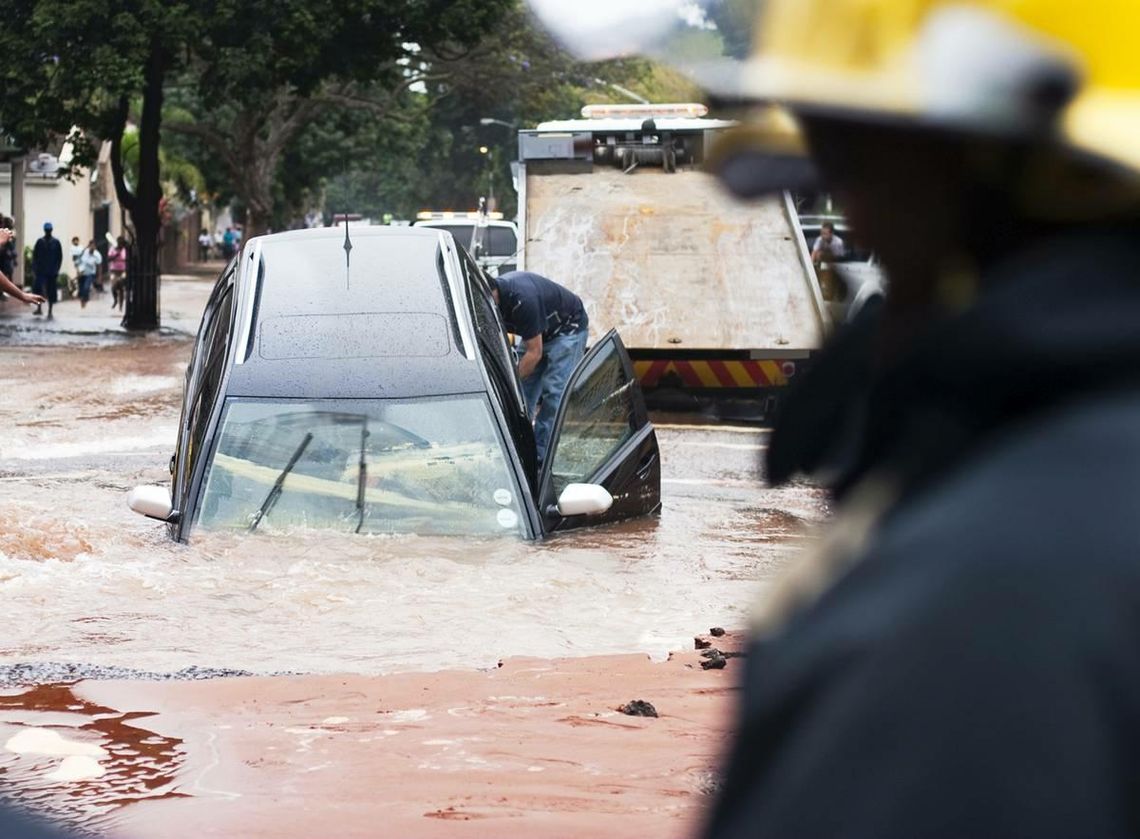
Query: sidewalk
point(182, 298)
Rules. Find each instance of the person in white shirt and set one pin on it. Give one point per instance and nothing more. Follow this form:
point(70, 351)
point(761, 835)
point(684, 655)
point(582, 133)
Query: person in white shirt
point(827, 247)
point(88, 266)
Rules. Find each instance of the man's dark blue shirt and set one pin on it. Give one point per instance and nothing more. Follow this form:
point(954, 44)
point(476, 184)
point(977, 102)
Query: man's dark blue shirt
point(531, 304)
point(47, 257)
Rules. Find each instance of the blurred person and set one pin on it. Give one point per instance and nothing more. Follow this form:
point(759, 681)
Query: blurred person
point(204, 242)
point(827, 246)
point(76, 252)
point(117, 266)
point(553, 324)
point(89, 261)
point(47, 259)
point(229, 238)
point(6, 284)
point(956, 656)
point(8, 255)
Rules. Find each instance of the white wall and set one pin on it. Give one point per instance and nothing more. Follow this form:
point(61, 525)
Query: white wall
point(65, 204)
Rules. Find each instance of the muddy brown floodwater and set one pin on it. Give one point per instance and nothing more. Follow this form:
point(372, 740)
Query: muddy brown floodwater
point(90, 587)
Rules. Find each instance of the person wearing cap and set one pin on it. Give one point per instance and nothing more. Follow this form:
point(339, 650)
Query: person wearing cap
point(957, 654)
point(6, 284)
point(47, 257)
point(553, 324)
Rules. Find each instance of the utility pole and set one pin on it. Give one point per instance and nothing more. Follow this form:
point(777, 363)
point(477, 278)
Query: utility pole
point(21, 223)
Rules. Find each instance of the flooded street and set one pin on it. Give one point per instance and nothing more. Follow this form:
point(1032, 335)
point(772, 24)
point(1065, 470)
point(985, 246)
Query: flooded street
point(87, 581)
point(93, 590)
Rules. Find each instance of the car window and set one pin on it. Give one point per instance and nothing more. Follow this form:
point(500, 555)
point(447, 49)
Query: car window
point(423, 466)
point(599, 418)
point(214, 344)
point(490, 326)
point(207, 332)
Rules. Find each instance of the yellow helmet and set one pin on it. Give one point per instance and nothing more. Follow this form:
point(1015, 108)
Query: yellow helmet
point(1005, 67)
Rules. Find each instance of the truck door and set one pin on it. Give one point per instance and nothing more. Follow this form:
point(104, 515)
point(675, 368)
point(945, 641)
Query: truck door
point(602, 435)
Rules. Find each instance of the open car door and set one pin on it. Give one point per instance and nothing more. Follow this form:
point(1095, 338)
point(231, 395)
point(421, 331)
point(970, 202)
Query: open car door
point(602, 436)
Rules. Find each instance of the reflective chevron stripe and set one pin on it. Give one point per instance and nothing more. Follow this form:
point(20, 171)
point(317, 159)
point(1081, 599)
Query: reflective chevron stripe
point(715, 373)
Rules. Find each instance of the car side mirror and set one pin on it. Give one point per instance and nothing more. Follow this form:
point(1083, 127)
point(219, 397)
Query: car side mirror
point(584, 500)
point(152, 502)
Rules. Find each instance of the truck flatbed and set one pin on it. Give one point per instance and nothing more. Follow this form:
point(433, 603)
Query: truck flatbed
point(674, 263)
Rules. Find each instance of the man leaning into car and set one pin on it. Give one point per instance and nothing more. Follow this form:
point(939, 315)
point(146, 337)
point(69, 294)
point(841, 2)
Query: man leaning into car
point(553, 323)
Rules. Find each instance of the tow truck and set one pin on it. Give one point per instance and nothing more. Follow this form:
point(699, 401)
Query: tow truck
point(716, 299)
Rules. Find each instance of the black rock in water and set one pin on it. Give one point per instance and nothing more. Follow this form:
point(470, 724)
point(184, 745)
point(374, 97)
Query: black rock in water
point(638, 708)
point(716, 631)
point(716, 662)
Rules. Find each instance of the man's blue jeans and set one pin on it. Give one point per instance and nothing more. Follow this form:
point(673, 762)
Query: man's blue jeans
point(548, 381)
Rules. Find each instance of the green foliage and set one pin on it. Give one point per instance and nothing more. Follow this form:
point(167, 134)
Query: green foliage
point(368, 106)
point(66, 63)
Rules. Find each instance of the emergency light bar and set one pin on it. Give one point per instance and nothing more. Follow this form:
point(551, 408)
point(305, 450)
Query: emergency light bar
point(693, 110)
point(426, 215)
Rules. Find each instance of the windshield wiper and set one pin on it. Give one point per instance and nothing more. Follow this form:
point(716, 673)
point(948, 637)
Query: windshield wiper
point(361, 474)
point(275, 493)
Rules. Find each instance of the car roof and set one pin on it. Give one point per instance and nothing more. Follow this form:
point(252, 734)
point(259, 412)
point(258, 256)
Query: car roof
point(367, 315)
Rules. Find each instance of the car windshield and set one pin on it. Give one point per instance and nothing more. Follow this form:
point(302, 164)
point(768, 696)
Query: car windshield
point(424, 466)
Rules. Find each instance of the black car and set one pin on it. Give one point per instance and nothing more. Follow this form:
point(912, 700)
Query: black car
point(362, 381)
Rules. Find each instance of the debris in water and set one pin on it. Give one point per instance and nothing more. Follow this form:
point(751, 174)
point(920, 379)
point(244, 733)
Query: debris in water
point(716, 631)
point(700, 643)
point(715, 662)
point(638, 708)
point(715, 653)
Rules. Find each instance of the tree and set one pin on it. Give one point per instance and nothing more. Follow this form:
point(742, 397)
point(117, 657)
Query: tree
point(73, 68)
point(254, 69)
point(257, 94)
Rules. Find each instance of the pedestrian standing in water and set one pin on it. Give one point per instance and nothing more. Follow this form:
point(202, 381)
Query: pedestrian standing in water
point(6, 284)
point(117, 265)
point(47, 259)
point(8, 250)
point(552, 322)
point(89, 261)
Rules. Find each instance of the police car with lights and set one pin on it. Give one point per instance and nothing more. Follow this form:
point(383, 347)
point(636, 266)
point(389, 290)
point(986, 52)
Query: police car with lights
point(492, 241)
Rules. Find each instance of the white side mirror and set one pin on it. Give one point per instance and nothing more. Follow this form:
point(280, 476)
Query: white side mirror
point(152, 502)
point(584, 500)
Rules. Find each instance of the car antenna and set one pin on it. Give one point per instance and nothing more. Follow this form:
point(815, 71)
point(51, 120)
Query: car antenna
point(347, 252)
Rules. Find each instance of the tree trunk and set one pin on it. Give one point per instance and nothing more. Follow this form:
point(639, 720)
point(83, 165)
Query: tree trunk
point(142, 309)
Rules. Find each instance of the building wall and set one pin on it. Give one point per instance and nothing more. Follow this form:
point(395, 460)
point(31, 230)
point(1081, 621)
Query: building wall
point(65, 204)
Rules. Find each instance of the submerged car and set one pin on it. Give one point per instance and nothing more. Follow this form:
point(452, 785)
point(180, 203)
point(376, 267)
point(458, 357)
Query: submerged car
point(361, 381)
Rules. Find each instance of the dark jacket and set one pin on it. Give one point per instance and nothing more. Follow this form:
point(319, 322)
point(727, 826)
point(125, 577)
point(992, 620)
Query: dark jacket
point(975, 669)
point(8, 258)
point(47, 256)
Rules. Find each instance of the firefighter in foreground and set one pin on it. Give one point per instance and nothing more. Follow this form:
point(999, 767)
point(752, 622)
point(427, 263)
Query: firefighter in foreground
point(958, 656)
